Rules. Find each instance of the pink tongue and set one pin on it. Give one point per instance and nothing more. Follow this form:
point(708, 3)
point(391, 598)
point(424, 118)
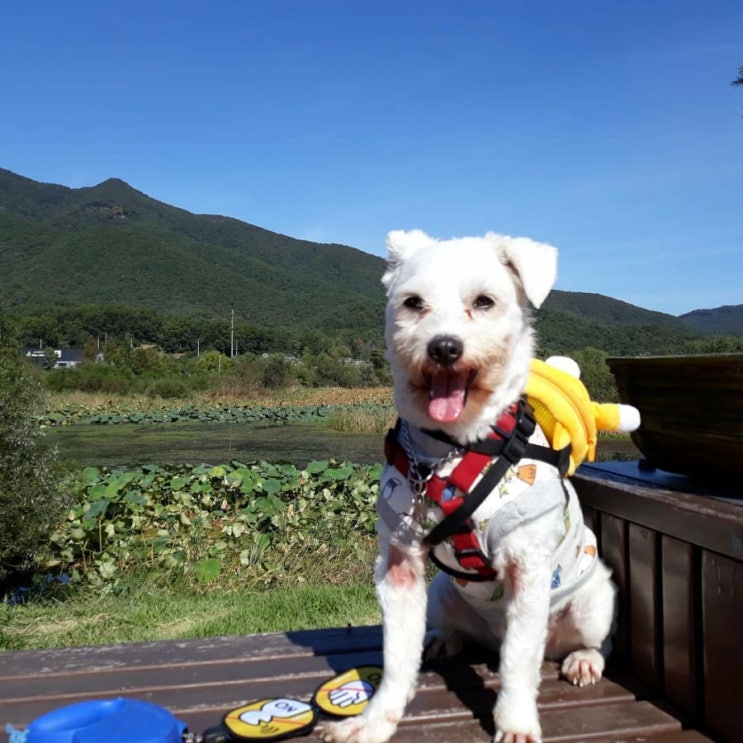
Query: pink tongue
point(447, 396)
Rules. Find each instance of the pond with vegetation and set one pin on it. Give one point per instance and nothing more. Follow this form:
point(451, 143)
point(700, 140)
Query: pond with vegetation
point(236, 518)
point(131, 444)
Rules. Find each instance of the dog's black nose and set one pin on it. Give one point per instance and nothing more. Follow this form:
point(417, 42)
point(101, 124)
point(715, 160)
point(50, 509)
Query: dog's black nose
point(445, 349)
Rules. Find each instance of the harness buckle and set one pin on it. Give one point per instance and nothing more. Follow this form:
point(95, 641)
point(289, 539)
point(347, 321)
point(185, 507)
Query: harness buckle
point(419, 475)
point(515, 447)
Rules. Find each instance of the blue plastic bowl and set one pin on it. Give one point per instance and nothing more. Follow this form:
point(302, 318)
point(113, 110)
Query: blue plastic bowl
point(110, 721)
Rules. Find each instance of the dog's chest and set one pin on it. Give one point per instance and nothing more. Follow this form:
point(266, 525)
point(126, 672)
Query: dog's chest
point(527, 491)
point(411, 516)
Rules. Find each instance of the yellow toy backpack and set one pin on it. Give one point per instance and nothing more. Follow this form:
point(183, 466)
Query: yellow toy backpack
point(567, 415)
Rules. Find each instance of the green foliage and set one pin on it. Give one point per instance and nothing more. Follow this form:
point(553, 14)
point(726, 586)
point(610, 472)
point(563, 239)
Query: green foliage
point(595, 374)
point(132, 249)
point(716, 344)
point(240, 524)
point(168, 387)
point(558, 332)
point(724, 320)
point(212, 361)
point(606, 311)
point(277, 373)
point(91, 377)
point(30, 500)
point(111, 414)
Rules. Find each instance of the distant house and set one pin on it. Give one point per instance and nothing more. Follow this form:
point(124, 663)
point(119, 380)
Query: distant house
point(66, 358)
point(69, 357)
point(36, 356)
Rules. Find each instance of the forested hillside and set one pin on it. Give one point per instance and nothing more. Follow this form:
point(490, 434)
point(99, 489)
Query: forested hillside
point(111, 244)
point(109, 261)
point(726, 319)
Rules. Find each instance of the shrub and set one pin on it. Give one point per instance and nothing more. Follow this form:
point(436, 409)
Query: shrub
point(168, 387)
point(31, 501)
point(244, 524)
point(596, 375)
point(91, 377)
point(278, 373)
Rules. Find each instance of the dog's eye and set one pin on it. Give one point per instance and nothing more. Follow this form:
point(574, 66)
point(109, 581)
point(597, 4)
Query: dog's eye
point(483, 302)
point(414, 302)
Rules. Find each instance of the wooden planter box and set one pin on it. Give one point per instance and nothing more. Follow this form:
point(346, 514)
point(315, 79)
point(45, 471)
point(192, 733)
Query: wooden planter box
point(691, 409)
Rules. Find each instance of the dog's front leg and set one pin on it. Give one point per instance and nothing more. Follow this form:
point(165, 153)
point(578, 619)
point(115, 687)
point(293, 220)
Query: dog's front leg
point(401, 589)
point(526, 569)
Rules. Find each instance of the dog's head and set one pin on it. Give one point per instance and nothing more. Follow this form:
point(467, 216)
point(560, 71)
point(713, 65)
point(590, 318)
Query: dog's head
point(458, 325)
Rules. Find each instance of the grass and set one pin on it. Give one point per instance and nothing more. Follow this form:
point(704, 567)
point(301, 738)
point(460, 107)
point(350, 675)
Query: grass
point(362, 420)
point(88, 618)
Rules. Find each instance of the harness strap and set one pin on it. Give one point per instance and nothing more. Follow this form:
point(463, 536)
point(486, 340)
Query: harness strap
point(558, 458)
point(507, 443)
point(513, 431)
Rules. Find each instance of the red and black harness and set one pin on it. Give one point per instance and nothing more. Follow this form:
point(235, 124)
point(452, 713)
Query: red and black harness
point(506, 444)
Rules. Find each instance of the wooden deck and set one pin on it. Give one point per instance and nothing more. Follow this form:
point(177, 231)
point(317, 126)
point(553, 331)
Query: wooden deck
point(676, 667)
point(200, 680)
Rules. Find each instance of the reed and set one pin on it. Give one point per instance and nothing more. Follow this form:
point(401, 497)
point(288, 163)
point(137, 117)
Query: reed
point(375, 419)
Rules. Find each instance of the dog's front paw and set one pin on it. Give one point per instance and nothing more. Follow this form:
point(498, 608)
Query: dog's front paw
point(516, 720)
point(359, 730)
point(501, 737)
point(583, 667)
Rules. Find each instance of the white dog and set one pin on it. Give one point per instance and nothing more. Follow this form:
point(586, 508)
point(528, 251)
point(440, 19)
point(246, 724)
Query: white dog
point(490, 508)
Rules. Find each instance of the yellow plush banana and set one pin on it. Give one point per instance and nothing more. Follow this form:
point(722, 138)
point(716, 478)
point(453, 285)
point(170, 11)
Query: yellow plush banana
point(566, 413)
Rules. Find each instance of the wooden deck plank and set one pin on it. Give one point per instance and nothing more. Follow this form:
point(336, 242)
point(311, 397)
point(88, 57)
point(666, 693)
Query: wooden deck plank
point(200, 680)
point(185, 687)
point(722, 602)
point(640, 719)
point(205, 650)
point(644, 624)
point(682, 633)
point(615, 553)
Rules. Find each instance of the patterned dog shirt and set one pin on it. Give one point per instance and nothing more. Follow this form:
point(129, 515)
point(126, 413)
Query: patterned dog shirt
point(529, 489)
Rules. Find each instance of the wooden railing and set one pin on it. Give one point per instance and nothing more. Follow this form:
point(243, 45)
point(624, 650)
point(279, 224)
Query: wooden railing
point(677, 559)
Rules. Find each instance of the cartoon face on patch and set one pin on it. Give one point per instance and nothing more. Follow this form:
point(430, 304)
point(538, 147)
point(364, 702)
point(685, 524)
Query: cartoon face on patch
point(271, 719)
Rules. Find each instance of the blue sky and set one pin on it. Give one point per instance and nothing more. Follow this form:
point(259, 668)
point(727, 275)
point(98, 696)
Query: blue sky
point(609, 129)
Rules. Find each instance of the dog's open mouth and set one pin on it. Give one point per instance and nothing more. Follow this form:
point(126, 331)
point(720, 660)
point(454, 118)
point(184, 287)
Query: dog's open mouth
point(447, 393)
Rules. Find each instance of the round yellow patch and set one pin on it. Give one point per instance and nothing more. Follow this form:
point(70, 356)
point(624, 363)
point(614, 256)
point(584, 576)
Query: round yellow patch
point(271, 719)
point(347, 694)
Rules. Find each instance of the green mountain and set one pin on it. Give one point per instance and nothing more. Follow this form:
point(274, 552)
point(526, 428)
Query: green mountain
point(726, 319)
point(111, 245)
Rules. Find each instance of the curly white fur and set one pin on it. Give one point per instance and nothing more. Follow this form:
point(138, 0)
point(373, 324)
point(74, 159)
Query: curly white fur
point(476, 294)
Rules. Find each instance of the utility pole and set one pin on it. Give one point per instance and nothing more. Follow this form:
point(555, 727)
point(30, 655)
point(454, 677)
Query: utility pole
point(232, 333)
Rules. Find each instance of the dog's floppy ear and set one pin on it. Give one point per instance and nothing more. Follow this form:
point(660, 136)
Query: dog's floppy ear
point(534, 263)
point(401, 245)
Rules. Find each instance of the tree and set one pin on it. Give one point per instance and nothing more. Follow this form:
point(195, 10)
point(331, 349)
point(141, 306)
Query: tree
point(739, 79)
point(595, 374)
point(278, 373)
point(31, 502)
point(50, 358)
